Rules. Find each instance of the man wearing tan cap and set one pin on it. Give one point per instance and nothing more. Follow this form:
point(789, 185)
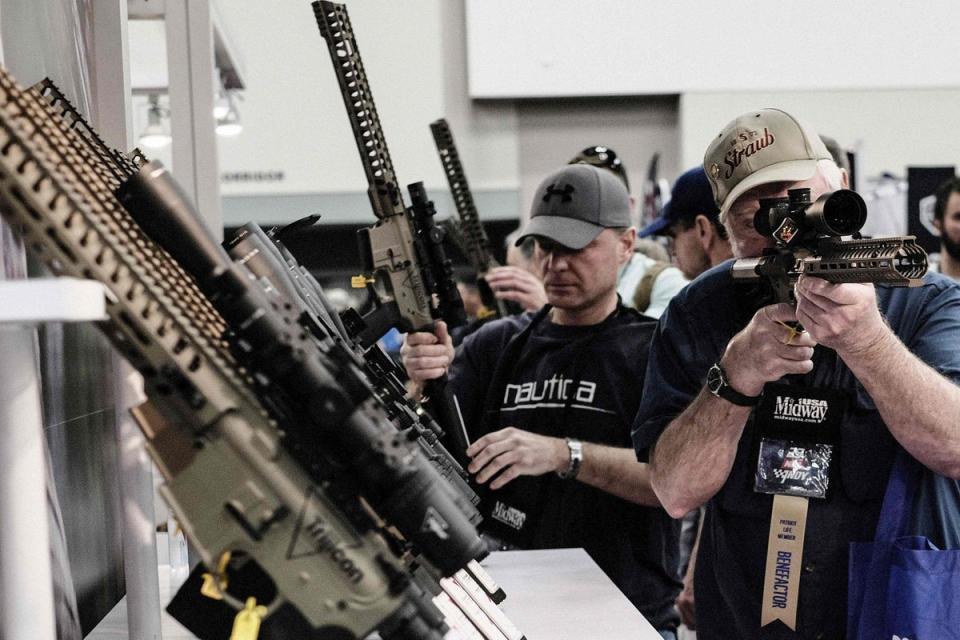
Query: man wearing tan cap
point(736, 405)
point(548, 399)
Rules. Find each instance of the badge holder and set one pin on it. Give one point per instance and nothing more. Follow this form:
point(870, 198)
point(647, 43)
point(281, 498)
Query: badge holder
point(798, 427)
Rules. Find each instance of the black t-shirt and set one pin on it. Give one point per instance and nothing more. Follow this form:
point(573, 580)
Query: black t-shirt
point(579, 382)
point(691, 336)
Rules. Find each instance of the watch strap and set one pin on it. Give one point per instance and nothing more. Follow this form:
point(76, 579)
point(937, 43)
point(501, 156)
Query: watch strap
point(728, 393)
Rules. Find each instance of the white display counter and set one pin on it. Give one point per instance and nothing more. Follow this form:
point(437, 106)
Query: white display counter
point(561, 594)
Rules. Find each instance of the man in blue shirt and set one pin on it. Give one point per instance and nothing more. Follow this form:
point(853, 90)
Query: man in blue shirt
point(691, 220)
point(879, 353)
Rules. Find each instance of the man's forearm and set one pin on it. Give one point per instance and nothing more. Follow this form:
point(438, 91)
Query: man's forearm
point(693, 457)
point(616, 471)
point(925, 419)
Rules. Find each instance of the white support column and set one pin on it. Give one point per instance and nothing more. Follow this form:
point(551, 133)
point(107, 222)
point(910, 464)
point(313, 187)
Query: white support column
point(140, 569)
point(25, 585)
point(28, 608)
point(26, 588)
point(190, 69)
point(112, 117)
point(110, 74)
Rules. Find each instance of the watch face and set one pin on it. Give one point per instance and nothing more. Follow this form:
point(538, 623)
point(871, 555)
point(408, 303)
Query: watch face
point(714, 379)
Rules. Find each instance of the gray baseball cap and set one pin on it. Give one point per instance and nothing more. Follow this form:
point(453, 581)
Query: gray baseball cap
point(759, 147)
point(573, 205)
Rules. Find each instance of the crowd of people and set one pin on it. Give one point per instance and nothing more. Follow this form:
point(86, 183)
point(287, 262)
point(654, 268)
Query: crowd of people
point(644, 409)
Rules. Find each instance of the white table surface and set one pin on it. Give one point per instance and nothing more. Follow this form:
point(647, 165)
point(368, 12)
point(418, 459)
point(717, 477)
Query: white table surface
point(561, 594)
point(553, 594)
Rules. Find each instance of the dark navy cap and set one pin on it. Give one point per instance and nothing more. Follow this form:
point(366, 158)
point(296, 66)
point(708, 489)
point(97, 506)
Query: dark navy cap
point(691, 196)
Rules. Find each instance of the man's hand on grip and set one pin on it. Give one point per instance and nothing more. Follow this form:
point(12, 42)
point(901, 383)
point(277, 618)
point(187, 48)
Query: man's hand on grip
point(767, 349)
point(427, 356)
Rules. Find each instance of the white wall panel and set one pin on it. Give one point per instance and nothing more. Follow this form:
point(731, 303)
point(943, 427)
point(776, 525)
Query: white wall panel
point(293, 116)
point(544, 48)
point(891, 129)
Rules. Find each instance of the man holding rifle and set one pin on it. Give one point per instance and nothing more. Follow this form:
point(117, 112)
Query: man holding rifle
point(548, 399)
point(823, 406)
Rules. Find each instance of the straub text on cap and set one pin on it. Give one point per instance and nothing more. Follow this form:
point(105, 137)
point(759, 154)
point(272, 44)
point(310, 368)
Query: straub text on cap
point(759, 147)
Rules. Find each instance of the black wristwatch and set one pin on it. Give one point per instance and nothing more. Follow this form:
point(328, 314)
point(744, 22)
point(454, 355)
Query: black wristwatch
point(718, 385)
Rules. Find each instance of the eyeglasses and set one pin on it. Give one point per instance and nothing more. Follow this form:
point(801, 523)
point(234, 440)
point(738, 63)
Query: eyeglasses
point(604, 157)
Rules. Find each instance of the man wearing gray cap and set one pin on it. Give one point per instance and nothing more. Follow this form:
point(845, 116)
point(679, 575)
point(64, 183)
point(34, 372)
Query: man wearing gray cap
point(548, 399)
point(738, 405)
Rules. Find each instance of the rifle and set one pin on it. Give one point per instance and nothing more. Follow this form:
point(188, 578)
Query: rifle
point(656, 193)
point(405, 243)
point(233, 453)
point(269, 260)
point(808, 241)
point(332, 417)
point(475, 243)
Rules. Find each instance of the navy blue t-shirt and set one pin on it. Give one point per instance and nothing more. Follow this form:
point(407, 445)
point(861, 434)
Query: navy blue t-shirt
point(690, 337)
point(580, 382)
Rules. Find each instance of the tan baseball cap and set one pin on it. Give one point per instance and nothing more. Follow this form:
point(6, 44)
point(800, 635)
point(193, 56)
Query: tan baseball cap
point(759, 147)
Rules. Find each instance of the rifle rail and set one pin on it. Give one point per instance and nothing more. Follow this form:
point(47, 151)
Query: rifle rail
point(898, 261)
point(337, 32)
point(470, 227)
point(112, 168)
point(120, 166)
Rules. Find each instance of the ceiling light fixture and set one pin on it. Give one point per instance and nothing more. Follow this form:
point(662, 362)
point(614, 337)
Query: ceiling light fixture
point(155, 135)
point(221, 100)
point(228, 124)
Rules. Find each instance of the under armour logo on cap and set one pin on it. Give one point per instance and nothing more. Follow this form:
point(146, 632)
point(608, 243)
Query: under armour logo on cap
point(574, 205)
point(566, 193)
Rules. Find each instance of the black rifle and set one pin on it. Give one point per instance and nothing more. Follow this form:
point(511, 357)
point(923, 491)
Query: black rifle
point(331, 421)
point(267, 258)
point(405, 243)
point(473, 237)
point(808, 241)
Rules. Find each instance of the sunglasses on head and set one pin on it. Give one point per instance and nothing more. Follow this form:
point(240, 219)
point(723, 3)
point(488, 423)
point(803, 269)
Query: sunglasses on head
point(604, 157)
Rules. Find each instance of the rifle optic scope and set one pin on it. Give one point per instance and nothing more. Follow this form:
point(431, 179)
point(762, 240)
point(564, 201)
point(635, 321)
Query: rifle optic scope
point(795, 219)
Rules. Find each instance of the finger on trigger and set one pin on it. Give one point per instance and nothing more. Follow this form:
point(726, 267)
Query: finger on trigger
point(420, 338)
point(780, 312)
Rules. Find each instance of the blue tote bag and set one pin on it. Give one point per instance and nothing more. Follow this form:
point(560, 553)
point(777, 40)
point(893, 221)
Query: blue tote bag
point(902, 586)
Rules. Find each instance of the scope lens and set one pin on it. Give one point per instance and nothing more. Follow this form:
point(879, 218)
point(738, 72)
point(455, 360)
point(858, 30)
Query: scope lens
point(844, 213)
